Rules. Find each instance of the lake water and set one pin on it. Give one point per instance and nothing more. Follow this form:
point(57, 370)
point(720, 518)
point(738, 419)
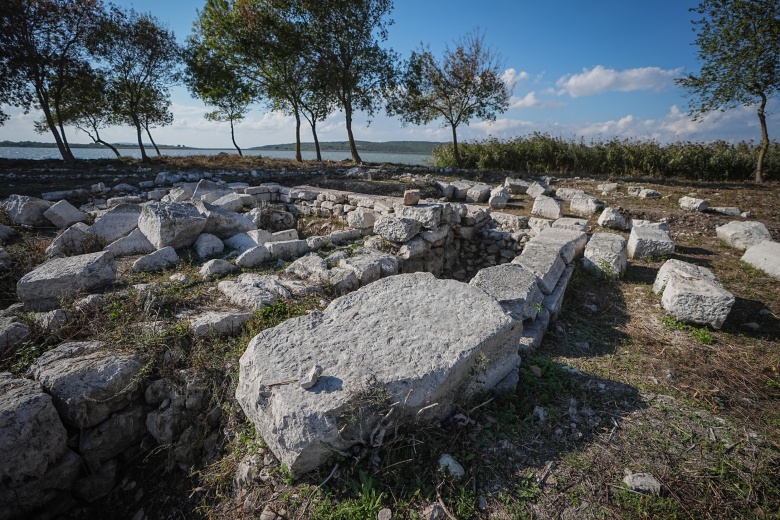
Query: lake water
point(101, 153)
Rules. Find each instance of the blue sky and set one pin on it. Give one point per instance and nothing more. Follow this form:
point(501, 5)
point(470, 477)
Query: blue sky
point(590, 70)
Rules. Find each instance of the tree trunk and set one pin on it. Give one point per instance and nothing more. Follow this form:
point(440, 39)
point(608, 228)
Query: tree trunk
point(233, 138)
point(455, 151)
point(352, 147)
point(152, 140)
point(113, 148)
point(316, 140)
point(764, 140)
point(67, 155)
point(137, 123)
point(297, 113)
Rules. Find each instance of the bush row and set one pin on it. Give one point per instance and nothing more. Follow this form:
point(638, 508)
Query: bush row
point(543, 153)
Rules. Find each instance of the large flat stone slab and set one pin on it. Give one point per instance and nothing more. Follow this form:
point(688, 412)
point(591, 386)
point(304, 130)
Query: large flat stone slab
point(410, 342)
point(544, 260)
point(44, 287)
point(765, 256)
point(743, 235)
point(117, 222)
point(515, 287)
point(87, 380)
point(696, 300)
point(26, 211)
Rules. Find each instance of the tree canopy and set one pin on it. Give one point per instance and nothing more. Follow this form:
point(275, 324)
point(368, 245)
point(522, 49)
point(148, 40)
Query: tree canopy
point(739, 47)
point(465, 84)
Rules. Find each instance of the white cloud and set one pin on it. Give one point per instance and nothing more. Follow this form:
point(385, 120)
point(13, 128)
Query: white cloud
point(511, 77)
point(600, 79)
point(528, 101)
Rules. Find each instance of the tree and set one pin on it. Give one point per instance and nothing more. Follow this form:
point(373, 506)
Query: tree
point(346, 35)
point(41, 46)
point(739, 46)
point(465, 84)
point(86, 106)
point(139, 57)
point(210, 77)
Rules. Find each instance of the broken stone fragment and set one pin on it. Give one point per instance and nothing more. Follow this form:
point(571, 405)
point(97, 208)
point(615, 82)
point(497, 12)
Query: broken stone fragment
point(310, 379)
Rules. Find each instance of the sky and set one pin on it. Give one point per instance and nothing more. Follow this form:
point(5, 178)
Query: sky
point(591, 70)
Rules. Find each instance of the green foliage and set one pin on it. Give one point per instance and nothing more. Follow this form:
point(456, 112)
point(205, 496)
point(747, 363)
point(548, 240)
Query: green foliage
point(543, 153)
point(700, 334)
point(465, 84)
point(739, 47)
point(365, 504)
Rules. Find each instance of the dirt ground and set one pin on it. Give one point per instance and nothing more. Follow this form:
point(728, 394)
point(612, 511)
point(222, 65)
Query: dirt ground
point(616, 387)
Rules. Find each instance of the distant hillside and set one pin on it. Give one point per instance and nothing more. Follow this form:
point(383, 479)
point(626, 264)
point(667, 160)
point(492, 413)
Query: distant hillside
point(37, 144)
point(418, 147)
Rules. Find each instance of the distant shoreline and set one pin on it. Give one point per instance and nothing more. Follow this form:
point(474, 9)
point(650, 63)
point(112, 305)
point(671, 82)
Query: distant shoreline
point(390, 147)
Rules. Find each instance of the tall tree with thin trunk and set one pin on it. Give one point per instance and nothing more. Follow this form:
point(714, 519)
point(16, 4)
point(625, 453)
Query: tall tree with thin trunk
point(346, 35)
point(86, 107)
point(739, 47)
point(139, 57)
point(42, 43)
point(210, 76)
point(465, 84)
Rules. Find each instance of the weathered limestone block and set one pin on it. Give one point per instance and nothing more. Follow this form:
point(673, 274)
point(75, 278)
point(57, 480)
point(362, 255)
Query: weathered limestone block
point(288, 248)
point(344, 236)
point(219, 323)
point(52, 321)
point(585, 206)
point(693, 204)
point(283, 236)
point(428, 215)
point(254, 256)
point(367, 268)
point(214, 268)
point(576, 224)
point(674, 265)
point(27, 211)
point(612, 218)
point(608, 187)
point(160, 260)
point(310, 267)
point(208, 245)
point(411, 197)
point(569, 194)
point(649, 242)
point(230, 202)
point(88, 381)
point(98, 484)
point(649, 194)
point(742, 235)
point(209, 190)
point(361, 219)
point(461, 188)
point(242, 242)
point(275, 285)
point(78, 239)
point(245, 295)
point(606, 255)
point(179, 194)
point(12, 333)
point(553, 302)
point(396, 229)
point(342, 281)
point(731, 211)
point(544, 260)
point(113, 436)
point(135, 243)
point(570, 243)
point(436, 236)
point(32, 437)
point(417, 351)
point(514, 286)
point(478, 193)
point(64, 214)
point(44, 287)
point(693, 298)
point(516, 186)
point(222, 222)
point(499, 197)
point(547, 207)
point(171, 224)
point(765, 256)
point(116, 222)
point(537, 189)
point(414, 248)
